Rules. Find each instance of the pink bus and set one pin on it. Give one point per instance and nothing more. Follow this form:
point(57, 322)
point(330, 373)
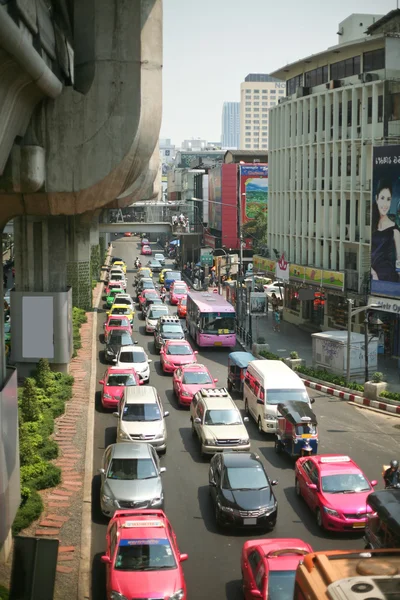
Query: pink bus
point(210, 319)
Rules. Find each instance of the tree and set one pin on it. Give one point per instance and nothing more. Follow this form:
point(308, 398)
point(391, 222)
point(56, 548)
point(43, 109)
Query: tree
point(256, 229)
point(30, 399)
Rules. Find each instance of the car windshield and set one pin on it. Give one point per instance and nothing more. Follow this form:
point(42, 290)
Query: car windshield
point(180, 290)
point(145, 273)
point(141, 412)
point(179, 350)
point(148, 285)
point(196, 377)
point(131, 469)
point(124, 301)
point(173, 275)
point(118, 323)
point(113, 293)
point(144, 555)
point(136, 356)
point(167, 328)
point(281, 585)
point(306, 429)
point(151, 295)
point(277, 396)
point(159, 256)
point(122, 338)
point(222, 417)
point(121, 310)
point(117, 277)
point(156, 313)
point(250, 478)
point(121, 379)
point(342, 483)
point(217, 323)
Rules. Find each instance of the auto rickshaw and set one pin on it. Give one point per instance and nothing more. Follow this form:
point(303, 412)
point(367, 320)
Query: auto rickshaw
point(296, 432)
point(237, 367)
point(382, 529)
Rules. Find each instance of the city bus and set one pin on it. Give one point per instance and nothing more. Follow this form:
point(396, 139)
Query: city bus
point(349, 575)
point(210, 320)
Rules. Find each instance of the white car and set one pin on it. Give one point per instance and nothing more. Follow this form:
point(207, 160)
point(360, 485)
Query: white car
point(160, 258)
point(278, 287)
point(125, 299)
point(134, 357)
point(154, 312)
point(115, 271)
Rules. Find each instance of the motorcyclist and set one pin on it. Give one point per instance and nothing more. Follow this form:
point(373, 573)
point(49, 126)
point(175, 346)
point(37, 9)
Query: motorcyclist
point(163, 293)
point(391, 476)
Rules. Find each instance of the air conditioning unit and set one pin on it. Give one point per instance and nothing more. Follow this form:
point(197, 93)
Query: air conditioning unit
point(333, 84)
point(302, 91)
point(283, 100)
point(368, 77)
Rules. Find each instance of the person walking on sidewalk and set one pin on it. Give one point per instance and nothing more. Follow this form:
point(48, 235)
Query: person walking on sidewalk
point(277, 320)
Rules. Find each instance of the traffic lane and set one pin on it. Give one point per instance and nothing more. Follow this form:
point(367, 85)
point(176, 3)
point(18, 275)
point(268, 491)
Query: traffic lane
point(187, 501)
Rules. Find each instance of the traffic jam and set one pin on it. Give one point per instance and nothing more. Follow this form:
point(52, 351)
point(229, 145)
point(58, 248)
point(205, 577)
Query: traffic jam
point(142, 555)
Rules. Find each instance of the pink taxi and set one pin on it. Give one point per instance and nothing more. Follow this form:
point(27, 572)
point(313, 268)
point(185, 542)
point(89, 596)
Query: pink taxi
point(114, 382)
point(175, 353)
point(189, 379)
point(177, 292)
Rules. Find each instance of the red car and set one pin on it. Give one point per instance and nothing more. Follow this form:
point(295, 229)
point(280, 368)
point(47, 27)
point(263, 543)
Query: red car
point(146, 250)
point(142, 557)
point(175, 353)
point(189, 379)
point(113, 285)
point(177, 292)
point(182, 308)
point(114, 382)
point(269, 567)
point(116, 323)
point(128, 234)
point(146, 294)
point(335, 489)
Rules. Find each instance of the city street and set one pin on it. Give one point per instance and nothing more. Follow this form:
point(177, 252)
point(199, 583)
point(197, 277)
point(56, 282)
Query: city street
point(213, 568)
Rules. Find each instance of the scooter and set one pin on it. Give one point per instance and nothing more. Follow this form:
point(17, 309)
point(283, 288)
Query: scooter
point(395, 486)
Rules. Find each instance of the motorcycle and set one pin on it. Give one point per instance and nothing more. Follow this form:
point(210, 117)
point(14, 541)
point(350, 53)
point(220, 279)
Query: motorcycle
point(394, 486)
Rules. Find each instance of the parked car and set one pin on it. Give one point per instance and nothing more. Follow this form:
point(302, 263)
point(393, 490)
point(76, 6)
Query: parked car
point(130, 478)
point(114, 382)
point(189, 379)
point(136, 358)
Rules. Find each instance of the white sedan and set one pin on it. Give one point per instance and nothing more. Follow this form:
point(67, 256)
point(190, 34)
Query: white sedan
point(125, 299)
point(278, 287)
point(134, 357)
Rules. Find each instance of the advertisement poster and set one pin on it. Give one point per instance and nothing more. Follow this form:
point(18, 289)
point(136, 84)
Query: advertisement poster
point(257, 303)
point(254, 186)
point(215, 199)
point(385, 221)
point(282, 269)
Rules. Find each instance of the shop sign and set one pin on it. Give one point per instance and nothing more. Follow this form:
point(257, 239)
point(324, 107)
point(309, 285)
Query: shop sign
point(206, 259)
point(209, 240)
point(282, 269)
point(296, 272)
point(312, 275)
point(386, 304)
point(263, 264)
point(333, 279)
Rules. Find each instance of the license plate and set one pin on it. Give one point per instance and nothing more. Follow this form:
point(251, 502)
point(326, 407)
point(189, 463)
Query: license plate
point(217, 343)
point(358, 525)
point(252, 521)
point(306, 435)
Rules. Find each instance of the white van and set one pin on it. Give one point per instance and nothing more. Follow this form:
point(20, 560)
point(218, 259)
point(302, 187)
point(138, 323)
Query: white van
point(267, 383)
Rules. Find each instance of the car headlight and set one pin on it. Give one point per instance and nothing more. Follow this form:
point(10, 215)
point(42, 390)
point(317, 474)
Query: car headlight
point(107, 499)
point(331, 512)
point(178, 595)
point(109, 351)
point(270, 417)
point(108, 396)
point(123, 435)
point(117, 596)
point(156, 501)
point(225, 508)
point(209, 442)
point(244, 441)
point(186, 394)
point(159, 436)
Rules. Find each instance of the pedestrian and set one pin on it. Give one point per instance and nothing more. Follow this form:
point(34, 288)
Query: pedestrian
point(277, 320)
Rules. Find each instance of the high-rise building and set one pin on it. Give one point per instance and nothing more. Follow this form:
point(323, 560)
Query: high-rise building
point(258, 93)
point(230, 132)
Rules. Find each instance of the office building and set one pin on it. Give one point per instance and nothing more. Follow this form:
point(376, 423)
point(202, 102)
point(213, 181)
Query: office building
point(230, 131)
point(258, 93)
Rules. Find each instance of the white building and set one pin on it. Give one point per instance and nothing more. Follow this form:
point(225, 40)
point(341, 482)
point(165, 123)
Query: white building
point(338, 104)
point(230, 131)
point(258, 93)
point(167, 151)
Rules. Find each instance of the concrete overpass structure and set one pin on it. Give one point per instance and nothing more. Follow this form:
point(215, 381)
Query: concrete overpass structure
point(80, 114)
point(135, 227)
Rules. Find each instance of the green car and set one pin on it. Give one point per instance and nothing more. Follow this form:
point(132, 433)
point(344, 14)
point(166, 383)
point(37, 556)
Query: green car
point(110, 298)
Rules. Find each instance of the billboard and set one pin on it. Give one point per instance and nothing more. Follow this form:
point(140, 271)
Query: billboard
point(253, 189)
point(215, 199)
point(385, 221)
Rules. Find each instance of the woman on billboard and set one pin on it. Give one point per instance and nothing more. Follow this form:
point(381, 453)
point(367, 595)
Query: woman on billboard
point(385, 242)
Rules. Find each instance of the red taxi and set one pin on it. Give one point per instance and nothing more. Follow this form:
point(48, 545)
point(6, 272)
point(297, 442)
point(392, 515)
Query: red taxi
point(113, 285)
point(142, 557)
point(189, 379)
point(175, 353)
point(182, 308)
point(269, 567)
point(335, 489)
point(177, 292)
point(143, 296)
point(116, 323)
point(146, 250)
point(114, 382)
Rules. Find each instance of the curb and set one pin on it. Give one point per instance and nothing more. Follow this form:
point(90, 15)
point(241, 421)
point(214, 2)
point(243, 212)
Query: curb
point(84, 578)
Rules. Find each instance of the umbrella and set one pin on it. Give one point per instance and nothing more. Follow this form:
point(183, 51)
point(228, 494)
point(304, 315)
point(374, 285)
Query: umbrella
point(174, 243)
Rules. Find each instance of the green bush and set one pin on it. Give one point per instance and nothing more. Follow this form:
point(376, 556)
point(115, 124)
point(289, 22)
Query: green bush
point(390, 396)
point(30, 509)
point(260, 340)
point(269, 355)
point(377, 377)
point(78, 318)
point(3, 593)
point(48, 479)
point(49, 449)
point(293, 355)
point(327, 377)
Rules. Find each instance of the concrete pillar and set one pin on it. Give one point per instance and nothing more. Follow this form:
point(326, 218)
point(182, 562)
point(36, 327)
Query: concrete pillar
point(78, 264)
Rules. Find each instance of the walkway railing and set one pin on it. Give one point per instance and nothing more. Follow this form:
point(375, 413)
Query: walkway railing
point(244, 336)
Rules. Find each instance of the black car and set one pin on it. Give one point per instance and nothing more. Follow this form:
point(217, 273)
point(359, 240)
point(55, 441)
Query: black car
point(167, 328)
point(242, 491)
point(115, 341)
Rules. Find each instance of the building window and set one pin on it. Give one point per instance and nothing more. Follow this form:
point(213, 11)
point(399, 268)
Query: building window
point(248, 145)
point(256, 98)
point(256, 147)
point(265, 110)
point(248, 111)
point(248, 97)
point(292, 84)
point(256, 109)
point(372, 61)
point(248, 139)
point(248, 103)
point(281, 91)
point(346, 68)
point(265, 91)
point(316, 76)
point(256, 104)
point(248, 127)
point(264, 103)
point(256, 128)
point(264, 127)
point(264, 145)
point(248, 91)
point(256, 91)
point(272, 91)
point(272, 104)
point(264, 120)
point(264, 139)
point(256, 121)
point(248, 121)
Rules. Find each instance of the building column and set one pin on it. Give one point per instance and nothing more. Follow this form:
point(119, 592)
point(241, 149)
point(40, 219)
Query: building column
point(78, 264)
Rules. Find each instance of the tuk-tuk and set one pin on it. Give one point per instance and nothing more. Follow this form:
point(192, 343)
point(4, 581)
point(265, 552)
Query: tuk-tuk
point(382, 529)
point(296, 432)
point(237, 367)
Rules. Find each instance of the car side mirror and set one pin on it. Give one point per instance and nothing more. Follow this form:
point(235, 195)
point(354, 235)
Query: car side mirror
point(166, 414)
point(374, 482)
point(163, 469)
point(116, 415)
point(101, 381)
point(274, 482)
point(149, 360)
point(141, 382)
point(312, 486)
point(183, 557)
point(255, 594)
point(197, 420)
point(215, 380)
point(312, 400)
point(102, 471)
point(196, 352)
point(245, 419)
point(106, 559)
point(135, 342)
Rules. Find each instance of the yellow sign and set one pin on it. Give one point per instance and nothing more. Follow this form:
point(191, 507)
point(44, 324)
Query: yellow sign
point(333, 279)
point(296, 272)
point(312, 275)
point(320, 277)
point(263, 264)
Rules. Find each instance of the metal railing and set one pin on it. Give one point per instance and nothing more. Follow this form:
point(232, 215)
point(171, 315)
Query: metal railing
point(244, 336)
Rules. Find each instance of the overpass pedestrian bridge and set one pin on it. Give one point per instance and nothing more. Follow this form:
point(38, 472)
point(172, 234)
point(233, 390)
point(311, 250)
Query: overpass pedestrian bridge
point(158, 227)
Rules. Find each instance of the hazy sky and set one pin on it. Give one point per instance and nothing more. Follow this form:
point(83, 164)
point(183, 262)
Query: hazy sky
point(211, 45)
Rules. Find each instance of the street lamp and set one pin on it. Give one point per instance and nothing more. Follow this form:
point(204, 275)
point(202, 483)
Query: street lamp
point(350, 315)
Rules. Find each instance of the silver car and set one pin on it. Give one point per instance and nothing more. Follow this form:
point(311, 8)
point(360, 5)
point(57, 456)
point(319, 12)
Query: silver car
point(130, 478)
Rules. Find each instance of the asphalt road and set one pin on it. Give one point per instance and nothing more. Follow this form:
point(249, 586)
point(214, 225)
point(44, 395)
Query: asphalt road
point(213, 568)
